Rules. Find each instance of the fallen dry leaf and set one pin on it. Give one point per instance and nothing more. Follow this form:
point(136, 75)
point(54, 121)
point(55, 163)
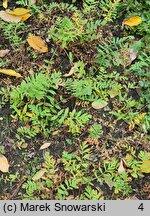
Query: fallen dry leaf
point(37, 43)
point(5, 3)
point(145, 167)
point(39, 174)
point(4, 52)
point(4, 165)
point(132, 21)
point(8, 17)
point(10, 72)
point(25, 17)
point(72, 71)
point(16, 15)
point(99, 104)
point(19, 11)
point(121, 168)
point(132, 54)
point(45, 145)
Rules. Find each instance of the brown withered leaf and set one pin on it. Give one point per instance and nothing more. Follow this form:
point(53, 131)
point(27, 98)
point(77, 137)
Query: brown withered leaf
point(121, 168)
point(45, 145)
point(10, 72)
point(4, 165)
point(37, 43)
point(4, 52)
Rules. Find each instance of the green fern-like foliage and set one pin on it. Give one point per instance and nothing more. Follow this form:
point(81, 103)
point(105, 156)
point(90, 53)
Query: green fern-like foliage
point(112, 51)
point(77, 121)
point(95, 131)
point(82, 89)
point(50, 166)
point(34, 100)
point(30, 188)
point(90, 194)
point(109, 8)
point(77, 169)
point(77, 29)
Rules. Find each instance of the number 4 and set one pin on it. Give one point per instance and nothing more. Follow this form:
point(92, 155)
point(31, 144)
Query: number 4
point(141, 207)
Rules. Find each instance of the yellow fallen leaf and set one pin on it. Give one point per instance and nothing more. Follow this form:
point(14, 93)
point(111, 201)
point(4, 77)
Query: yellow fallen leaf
point(145, 167)
point(5, 3)
point(19, 11)
point(37, 43)
point(25, 17)
point(39, 174)
point(4, 165)
point(9, 18)
point(132, 21)
point(10, 72)
point(45, 145)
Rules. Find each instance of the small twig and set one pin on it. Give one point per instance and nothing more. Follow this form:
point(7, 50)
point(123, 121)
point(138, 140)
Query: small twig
point(16, 190)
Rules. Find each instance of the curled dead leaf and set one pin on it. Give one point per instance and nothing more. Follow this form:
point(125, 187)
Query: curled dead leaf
point(37, 43)
point(4, 165)
point(10, 72)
